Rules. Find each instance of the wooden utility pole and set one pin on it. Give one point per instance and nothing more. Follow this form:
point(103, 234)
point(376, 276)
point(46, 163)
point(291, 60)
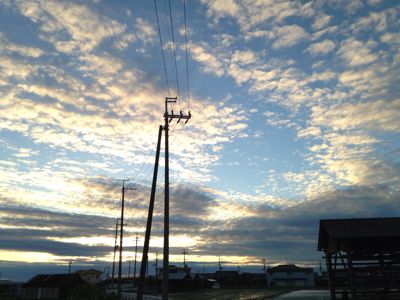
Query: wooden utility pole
point(156, 265)
point(115, 250)
point(121, 235)
point(184, 257)
point(168, 117)
point(149, 220)
point(134, 266)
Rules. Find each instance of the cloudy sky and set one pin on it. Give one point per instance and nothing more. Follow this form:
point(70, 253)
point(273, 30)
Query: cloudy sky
point(295, 109)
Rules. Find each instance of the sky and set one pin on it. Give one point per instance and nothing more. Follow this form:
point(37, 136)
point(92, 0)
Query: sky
point(295, 118)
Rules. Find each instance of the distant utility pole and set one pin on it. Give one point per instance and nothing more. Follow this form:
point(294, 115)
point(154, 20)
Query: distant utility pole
point(69, 267)
point(115, 250)
point(263, 263)
point(121, 235)
point(184, 257)
point(219, 264)
point(134, 266)
point(168, 117)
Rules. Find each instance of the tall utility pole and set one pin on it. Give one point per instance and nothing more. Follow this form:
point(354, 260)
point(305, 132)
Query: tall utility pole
point(156, 267)
point(121, 235)
point(134, 266)
point(69, 267)
point(264, 263)
point(184, 257)
point(219, 264)
point(149, 220)
point(167, 119)
point(115, 250)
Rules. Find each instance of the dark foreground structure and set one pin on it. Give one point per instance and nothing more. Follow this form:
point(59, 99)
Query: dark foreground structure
point(362, 257)
point(51, 286)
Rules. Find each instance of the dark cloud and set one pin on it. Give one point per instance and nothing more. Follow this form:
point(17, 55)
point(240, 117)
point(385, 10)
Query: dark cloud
point(190, 201)
point(25, 243)
point(277, 234)
point(292, 234)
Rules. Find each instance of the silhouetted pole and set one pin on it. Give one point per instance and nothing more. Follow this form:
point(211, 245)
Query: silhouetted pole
point(147, 268)
point(69, 267)
point(134, 266)
point(165, 280)
point(156, 268)
point(264, 264)
point(149, 220)
point(219, 264)
point(115, 250)
point(184, 257)
point(168, 118)
point(121, 236)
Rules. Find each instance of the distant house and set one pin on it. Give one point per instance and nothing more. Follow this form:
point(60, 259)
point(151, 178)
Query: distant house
point(291, 276)
point(228, 278)
point(254, 279)
point(91, 276)
point(51, 286)
point(10, 288)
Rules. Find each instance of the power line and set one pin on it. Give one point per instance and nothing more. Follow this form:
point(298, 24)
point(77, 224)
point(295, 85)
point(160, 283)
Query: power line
point(173, 46)
point(161, 45)
point(187, 64)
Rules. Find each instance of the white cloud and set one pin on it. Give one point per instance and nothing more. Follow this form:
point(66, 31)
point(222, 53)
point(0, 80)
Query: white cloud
point(358, 53)
point(390, 38)
point(377, 115)
point(289, 35)
point(321, 20)
point(84, 26)
point(144, 30)
point(376, 21)
point(323, 47)
point(221, 8)
point(7, 46)
point(328, 30)
point(210, 62)
point(250, 13)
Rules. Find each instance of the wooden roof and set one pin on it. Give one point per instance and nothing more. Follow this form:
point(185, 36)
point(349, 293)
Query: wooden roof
point(359, 234)
point(54, 280)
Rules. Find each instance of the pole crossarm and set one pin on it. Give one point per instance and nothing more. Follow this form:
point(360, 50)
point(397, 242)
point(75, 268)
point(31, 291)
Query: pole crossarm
point(170, 116)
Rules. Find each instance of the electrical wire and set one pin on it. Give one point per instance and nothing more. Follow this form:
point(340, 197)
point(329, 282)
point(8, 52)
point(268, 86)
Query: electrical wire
point(187, 64)
point(162, 49)
point(173, 46)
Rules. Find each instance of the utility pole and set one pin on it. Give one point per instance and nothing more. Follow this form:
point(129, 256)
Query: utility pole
point(115, 250)
point(149, 220)
point(121, 235)
point(184, 257)
point(167, 119)
point(264, 264)
point(129, 268)
point(69, 267)
point(219, 264)
point(156, 268)
point(134, 266)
